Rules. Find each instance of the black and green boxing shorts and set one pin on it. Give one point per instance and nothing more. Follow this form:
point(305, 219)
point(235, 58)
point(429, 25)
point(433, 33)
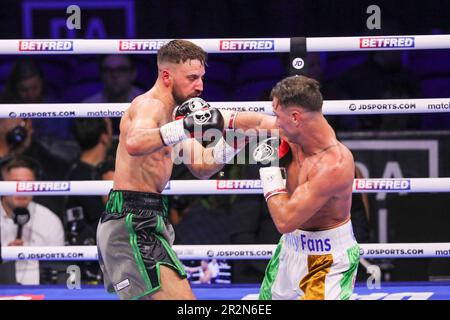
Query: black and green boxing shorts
point(134, 238)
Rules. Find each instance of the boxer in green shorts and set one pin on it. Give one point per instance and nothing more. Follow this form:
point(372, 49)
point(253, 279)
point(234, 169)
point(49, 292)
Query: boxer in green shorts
point(134, 237)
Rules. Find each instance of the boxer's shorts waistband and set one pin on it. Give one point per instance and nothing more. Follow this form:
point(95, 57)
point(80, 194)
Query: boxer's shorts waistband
point(320, 242)
point(125, 201)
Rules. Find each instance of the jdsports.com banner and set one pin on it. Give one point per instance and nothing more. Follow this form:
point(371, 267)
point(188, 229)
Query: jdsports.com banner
point(330, 107)
point(227, 252)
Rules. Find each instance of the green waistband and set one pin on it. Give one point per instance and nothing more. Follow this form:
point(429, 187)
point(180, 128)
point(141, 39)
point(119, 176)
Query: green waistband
point(123, 201)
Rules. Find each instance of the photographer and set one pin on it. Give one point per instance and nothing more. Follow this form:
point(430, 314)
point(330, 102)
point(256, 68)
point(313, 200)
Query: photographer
point(94, 136)
point(82, 213)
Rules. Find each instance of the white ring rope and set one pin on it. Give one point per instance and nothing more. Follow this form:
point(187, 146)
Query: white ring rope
point(229, 252)
point(201, 187)
point(268, 45)
point(224, 45)
point(330, 107)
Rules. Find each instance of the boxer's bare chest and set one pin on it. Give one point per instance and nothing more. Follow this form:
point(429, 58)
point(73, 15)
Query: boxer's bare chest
point(297, 171)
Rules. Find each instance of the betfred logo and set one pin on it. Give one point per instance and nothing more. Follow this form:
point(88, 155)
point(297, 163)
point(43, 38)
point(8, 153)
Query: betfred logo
point(383, 184)
point(140, 45)
point(50, 186)
point(238, 184)
point(48, 45)
point(390, 42)
point(247, 45)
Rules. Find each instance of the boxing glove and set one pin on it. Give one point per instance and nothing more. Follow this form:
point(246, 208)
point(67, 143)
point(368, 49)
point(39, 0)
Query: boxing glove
point(199, 121)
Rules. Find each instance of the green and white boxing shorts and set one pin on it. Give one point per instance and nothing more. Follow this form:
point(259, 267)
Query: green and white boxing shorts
point(134, 238)
point(313, 265)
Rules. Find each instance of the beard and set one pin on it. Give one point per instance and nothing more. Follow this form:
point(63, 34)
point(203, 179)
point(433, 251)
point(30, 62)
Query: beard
point(180, 98)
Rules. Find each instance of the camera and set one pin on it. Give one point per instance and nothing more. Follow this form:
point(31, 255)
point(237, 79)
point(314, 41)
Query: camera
point(16, 136)
point(78, 232)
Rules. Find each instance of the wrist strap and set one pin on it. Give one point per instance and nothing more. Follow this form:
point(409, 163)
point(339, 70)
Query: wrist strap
point(228, 119)
point(274, 192)
point(272, 181)
point(173, 132)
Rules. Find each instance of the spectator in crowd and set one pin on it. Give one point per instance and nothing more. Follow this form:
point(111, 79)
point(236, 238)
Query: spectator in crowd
point(105, 170)
point(43, 228)
point(94, 136)
point(207, 272)
point(17, 138)
point(395, 122)
point(191, 213)
point(26, 84)
point(381, 76)
point(315, 68)
point(118, 73)
point(180, 205)
point(213, 265)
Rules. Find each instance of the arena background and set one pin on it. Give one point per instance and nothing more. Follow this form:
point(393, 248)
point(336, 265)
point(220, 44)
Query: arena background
point(394, 217)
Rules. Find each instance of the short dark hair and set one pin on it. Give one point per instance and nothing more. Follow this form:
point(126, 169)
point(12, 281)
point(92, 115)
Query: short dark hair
point(87, 131)
point(21, 161)
point(180, 51)
point(299, 90)
point(23, 68)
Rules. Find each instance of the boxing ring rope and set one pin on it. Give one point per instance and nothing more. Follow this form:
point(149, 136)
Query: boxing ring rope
point(229, 252)
point(236, 45)
point(224, 45)
point(330, 107)
point(222, 187)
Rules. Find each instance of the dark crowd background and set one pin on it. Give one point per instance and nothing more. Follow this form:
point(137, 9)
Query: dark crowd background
point(84, 149)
